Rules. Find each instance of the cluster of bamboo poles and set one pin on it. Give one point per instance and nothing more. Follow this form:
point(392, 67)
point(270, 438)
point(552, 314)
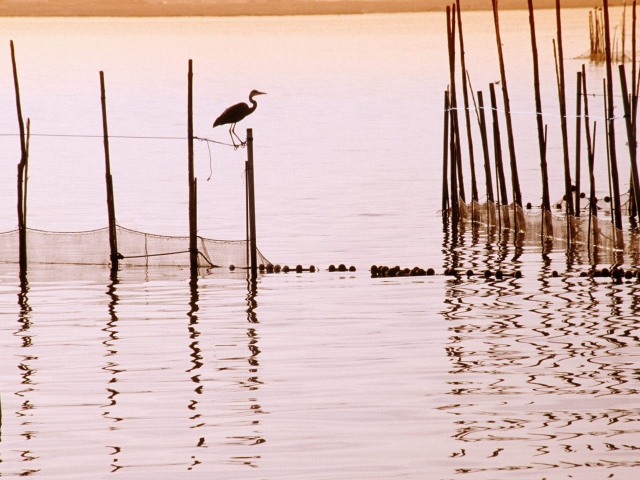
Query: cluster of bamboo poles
point(453, 192)
point(115, 256)
point(597, 51)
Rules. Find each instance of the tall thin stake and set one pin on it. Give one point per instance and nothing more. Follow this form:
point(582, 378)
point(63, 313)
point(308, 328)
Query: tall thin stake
point(22, 226)
point(611, 134)
point(485, 148)
point(578, 125)
point(590, 147)
point(451, 35)
point(497, 150)
point(465, 97)
point(546, 202)
point(193, 216)
point(631, 141)
point(507, 111)
point(563, 111)
point(253, 249)
point(111, 210)
point(445, 156)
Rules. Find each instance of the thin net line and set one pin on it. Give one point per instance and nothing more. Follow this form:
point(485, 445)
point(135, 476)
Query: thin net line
point(537, 113)
point(131, 137)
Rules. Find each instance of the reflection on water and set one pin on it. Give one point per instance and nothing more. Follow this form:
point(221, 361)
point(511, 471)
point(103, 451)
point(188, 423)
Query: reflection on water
point(543, 369)
point(196, 361)
point(112, 367)
point(27, 372)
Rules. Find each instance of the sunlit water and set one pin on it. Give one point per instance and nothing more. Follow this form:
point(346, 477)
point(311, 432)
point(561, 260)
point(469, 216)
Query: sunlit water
point(325, 375)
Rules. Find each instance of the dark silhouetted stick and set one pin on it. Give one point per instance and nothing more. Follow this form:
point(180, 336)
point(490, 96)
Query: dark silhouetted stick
point(22, 228)
point(193, 217)
point(111, 210)
point(465, 97)
point(445, 157)
point(546, 202)
point(563, 111)
point(611, 134)
point(451, 35)
point(453, 191)
point(485, 148)
point(507, 109)
point(253, 249)
point(590, 147)
point(497, 150)
point(631, 141)
point(578, 125)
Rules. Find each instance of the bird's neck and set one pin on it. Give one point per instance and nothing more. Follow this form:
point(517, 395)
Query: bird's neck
point(254, 104)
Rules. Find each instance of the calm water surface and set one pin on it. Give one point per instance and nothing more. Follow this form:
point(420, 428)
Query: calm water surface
point(149, 375)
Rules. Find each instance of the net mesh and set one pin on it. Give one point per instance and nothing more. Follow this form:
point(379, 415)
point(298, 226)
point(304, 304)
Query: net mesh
point(138, 248)
point(552, 230)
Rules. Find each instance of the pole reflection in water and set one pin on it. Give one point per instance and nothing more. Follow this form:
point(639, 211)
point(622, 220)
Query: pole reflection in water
point(112, 368)
point(252, 383)
point(196, 360)
point(542, 368)
point(27, 373)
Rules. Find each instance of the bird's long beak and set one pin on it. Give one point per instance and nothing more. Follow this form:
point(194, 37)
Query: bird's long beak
point(261, 93)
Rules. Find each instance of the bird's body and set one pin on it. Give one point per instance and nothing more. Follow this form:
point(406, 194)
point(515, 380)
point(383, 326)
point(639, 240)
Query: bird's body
point(235, 113)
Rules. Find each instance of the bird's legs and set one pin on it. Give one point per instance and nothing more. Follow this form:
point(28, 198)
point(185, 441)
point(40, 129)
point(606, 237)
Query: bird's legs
point(235, 147)
point(233, 129)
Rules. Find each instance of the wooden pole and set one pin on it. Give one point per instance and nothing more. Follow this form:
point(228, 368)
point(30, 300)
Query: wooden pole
point(453, 191)
point(445, 157)
point(465, 97)
point(113, 238)
point(611, 135)
point(578, 127)
point(193, 217)
point(507, 111)
point(546, 202)
point(607, 125)
point(451, 34)
point(253, 249)
point(635, 183)
point(497, 147)
point(22, 227)
point(590, 147)
point(563, 111)
point(26, 173)
point(485, 149)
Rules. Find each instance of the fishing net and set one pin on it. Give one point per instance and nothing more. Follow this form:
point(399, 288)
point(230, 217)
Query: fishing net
point(137, 248)
point(555, 231)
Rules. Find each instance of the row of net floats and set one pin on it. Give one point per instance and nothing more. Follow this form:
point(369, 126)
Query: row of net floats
point(298, 268)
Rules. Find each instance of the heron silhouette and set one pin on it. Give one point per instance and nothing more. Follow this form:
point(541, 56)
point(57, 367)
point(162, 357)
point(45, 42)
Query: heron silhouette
point(235, 113)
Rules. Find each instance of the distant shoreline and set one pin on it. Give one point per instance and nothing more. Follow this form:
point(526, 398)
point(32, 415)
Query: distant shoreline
point(234, 8)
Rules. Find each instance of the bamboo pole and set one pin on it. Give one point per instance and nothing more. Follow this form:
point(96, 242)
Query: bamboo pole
point(631, 141)
point(26, 173)
point(485, 148)
point(465, 97)
point(507, 109)
point(445, 156)
point(546, 202)
point(607, 125)
point(563, 111)
point(113, 238)
point(451, 35)
point(253, 249)
point(611, 134)
point(193, 217)
point(22, 228)
point(590, 147)
point(578, 127)
point(497, 150)
point(453, 191)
